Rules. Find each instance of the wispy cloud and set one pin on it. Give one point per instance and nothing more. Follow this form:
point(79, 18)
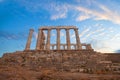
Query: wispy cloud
point(58, 11)
point(115, 37)
point(104, 14)
point(13, 36)
point(62, 34)
point(73, 35)
point(82, 17)
point(84, 32)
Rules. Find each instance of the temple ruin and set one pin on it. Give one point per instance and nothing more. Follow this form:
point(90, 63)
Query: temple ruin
point(59, 61)
point(41, 45)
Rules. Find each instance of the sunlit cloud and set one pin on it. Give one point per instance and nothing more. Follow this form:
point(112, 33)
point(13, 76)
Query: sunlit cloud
point(60, 11)
point(104, 14)
point(83, 17)
point(84, 32)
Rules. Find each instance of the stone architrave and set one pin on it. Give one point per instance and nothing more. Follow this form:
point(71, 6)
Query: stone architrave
point(29, 39)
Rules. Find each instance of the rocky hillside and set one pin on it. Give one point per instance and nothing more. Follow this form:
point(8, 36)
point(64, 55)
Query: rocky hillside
point(49, 65)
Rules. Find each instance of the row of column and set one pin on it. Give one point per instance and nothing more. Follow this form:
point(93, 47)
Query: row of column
point(87, 46)
point(64, 47)
point(40, 39)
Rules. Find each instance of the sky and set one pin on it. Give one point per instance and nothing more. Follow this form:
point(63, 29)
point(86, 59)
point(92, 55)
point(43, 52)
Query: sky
point(98, 22)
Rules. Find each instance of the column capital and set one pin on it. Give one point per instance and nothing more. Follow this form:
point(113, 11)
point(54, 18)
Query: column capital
point(31, 29)
point(39, 29)
point(67, 29)
point(75, 28)
point(49, 29)
point(57, 28)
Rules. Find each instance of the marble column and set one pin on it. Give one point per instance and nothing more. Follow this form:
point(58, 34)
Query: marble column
point(48, 39)
point(42, 41)
point(79, 47)
point(58, 39)
point(75, 47)
point(64, 47)
point(52, 47)
point(68, 39)
point(29, 39)
point(38, 40)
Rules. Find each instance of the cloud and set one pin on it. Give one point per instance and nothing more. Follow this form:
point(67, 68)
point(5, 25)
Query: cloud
point(82, 17)
point(98, 31)
point(102, 46)
point(58, 16)
point(115, 37)
point(58, 11)
point(13, 36)
point(103, 14)
point(62, 34)
point(53, 34)
point(84, 32)
point(73, 35)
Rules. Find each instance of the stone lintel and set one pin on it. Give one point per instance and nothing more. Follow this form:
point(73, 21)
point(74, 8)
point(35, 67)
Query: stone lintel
point(57, 27)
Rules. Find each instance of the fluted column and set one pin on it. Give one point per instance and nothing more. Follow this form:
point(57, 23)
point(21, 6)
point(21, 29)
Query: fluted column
point(58, 39)
point(68, 39)
point(79, 47)
point(38, 40)
point(48, 39)
point(29, 39)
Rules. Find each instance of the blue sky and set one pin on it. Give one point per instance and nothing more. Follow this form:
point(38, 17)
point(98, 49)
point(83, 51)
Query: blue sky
point(98, 22)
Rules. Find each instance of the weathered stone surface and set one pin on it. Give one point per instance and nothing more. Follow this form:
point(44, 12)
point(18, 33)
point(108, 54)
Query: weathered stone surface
point(60, 65)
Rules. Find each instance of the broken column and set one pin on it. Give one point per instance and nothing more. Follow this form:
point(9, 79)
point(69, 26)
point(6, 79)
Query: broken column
point(29, 39)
